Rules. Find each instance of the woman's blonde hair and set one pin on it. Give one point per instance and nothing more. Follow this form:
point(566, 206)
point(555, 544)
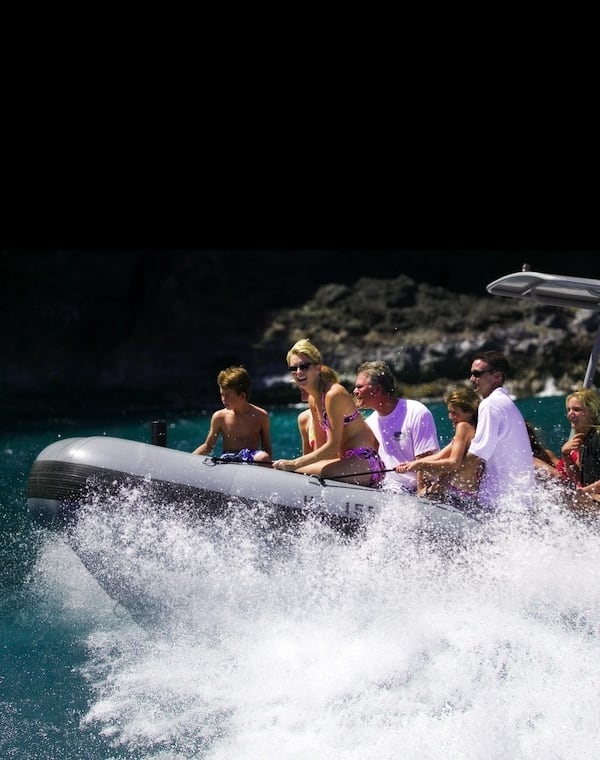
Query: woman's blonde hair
point(327, 374)
point(590, 400)
point(304, 346)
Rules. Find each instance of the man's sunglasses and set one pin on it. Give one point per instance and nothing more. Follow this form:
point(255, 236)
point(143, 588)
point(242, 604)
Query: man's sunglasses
point(480, 372)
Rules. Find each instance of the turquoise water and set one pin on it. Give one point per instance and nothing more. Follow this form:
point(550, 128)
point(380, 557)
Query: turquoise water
point(303, 646)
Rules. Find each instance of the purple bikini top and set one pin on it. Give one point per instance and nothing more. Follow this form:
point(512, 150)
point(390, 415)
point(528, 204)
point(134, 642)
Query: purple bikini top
point(324, 422)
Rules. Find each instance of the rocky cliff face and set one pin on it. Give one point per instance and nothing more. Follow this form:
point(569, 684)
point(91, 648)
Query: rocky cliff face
point(138, 331)
point(428, 335)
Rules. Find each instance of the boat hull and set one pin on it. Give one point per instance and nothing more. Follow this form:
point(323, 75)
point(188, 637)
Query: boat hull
point(70, 472)
point(70, 479)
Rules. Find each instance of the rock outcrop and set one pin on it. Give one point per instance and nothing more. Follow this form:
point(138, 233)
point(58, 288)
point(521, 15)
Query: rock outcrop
point(428, 335)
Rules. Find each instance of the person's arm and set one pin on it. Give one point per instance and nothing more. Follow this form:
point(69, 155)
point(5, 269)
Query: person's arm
point(419, 463)
point(448, 459)
point(303, 424)
point(212, 437)
point(480, 462)
point(334, 406)
point(593, 489)
point(425, 441)
point(433, 456)
point(426, 458)
point(544, 467)
point(320, 435)
point(422, 482)
point(571, 468)
point(463, 435)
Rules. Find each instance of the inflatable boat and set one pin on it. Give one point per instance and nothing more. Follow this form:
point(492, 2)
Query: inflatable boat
point(71, 472)
point(112, 500)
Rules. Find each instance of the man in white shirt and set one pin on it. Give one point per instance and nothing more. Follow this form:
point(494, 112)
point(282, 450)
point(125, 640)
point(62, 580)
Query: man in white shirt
point(501, 440)
point(405, 428)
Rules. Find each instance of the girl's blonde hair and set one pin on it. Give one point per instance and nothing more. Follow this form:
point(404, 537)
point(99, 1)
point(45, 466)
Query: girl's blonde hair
point(590, 400)
point(466, 399)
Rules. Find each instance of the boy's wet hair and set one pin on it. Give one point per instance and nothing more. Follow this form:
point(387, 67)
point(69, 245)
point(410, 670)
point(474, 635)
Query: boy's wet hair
point(236, 378)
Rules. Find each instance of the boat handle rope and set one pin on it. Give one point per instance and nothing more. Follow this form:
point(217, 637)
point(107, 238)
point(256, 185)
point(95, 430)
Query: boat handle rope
point(217, 460)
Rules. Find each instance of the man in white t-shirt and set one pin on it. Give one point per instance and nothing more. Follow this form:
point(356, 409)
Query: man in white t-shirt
point(405, 428)
point(501, 440)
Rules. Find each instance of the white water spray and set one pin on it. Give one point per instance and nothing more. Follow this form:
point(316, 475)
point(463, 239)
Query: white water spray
point(265, 643)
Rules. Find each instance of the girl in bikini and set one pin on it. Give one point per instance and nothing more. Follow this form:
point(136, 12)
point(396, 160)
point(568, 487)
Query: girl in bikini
point(458, 478)
point(345, 448)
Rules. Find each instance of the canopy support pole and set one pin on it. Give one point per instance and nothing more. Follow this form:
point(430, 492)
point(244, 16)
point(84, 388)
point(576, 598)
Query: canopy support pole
point(592, 363)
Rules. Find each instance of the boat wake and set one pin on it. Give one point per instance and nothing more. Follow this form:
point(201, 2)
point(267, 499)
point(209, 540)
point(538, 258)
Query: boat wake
point(256, 640)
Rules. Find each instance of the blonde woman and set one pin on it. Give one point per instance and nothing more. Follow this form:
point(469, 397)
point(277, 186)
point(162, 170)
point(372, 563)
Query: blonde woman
point(580, 454)
point(349, 448)
point(457, 476)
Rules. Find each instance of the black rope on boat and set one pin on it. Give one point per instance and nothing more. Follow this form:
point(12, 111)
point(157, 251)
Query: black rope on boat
point(320, 478)
point(323, 478)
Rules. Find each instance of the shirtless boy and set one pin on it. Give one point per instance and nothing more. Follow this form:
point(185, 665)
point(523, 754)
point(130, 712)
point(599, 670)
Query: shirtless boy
point(244, 427)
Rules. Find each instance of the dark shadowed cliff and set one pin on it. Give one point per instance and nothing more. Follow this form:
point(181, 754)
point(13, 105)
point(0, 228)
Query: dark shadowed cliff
point(135, 330)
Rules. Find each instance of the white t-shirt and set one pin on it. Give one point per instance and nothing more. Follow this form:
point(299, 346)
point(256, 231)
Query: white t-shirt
point(502, 441)
point(404, 434)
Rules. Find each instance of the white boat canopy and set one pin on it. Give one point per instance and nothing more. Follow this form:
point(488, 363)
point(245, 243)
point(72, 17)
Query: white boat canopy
point(554, 290)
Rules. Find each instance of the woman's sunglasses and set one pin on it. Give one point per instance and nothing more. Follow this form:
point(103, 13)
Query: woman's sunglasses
point(302, 367)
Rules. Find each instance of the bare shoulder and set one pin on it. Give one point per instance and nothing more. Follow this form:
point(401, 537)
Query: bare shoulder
point(336, 390)
point(222, 418)
point(259, 410)
point(465, 426)
point(338, 400)
point(464, 431)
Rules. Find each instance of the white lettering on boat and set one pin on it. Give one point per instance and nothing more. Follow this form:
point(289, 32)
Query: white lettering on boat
point(316, 504)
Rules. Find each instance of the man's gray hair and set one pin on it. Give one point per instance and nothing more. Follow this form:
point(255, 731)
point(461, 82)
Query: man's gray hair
point(379, 373)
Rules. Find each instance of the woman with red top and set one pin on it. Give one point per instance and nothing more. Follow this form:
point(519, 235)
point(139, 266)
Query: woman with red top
point(580, 454)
